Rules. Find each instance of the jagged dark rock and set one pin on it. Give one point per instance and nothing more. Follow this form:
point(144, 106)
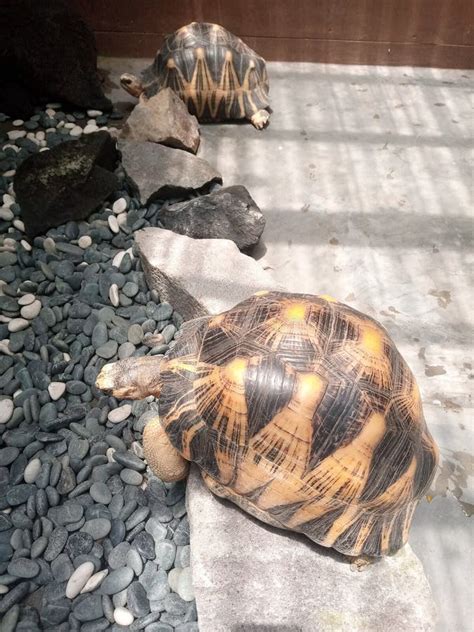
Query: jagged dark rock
point(68, 182)
point(228, 213)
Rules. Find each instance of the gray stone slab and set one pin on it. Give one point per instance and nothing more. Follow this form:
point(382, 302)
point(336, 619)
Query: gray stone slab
point(199, 276)
point(251, 577)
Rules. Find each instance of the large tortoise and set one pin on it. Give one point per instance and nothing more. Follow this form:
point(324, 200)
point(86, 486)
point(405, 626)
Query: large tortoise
point(297, 408)
point(213, 72)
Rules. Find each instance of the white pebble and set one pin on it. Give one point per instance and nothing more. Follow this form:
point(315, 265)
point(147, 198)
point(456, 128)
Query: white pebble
point(84, 242)
point(18, 123)
point(66, 357)
point(95, 581)
point(56, 390)
point(26, 245)
point(14, 147)
point(26, 299)
point(15, 134)
point(109, 453)
point(185, 587)
point(121, 219)
point(31, 136)
point(17, 324)
point(79, 579)
point(40, 135)
point(10, 173)
point(173, 578)
point(94, 113)
point(119, 414)
point(5, 347)
point(10, 244)
point(54, 106)
point(8, 200)
point(50, 112)
point(113, 224)
point(122, 616)
point(117, 260)
point(60, 124)
point(49, 245)
point(75, 131)
point(31, 471)
point(69, 125)
point(3, 589)
point(6, 214)
point(89, 129)
point(119, 206)
point(6, 410)
point(137, 449)
point(17, 223)
point(114, 295)
point(44, 149)
point(31, 311)
point(50, 130)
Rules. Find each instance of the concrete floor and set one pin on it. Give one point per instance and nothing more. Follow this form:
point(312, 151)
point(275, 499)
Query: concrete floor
point(365, 179)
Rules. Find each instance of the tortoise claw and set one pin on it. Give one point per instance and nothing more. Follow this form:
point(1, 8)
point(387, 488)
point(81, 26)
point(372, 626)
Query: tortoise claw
point(260, 119)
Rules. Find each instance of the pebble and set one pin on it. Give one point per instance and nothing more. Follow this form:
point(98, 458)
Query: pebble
point(114, 295)
point(75, 131)
point(137, 600)
point(32, 310)
point(165, 554)
point(17, 324)
point(8, 455)
point(98, 528)
point(32, 470)
point(123, 617)
point(118, 555)
point(95, 581)
point(23, 567)
point(26, 299)
point(94, 113)
point(79, 579)
point(184, 586)
point(100, 493)
point(120, 205)
point(119, 414)
point(107, 350)
point(84, 242)
point(89, 129)
point(117, 581)
point(131, 477)
point(6, 410)
point(113, 224)
point(16, 134)
point(89, 609)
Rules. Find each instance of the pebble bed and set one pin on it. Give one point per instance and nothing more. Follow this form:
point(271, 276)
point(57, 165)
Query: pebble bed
point(90, 539)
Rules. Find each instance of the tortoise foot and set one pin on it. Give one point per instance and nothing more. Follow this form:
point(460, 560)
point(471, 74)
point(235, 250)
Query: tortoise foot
point(360, 563)
point(260, 119)
point(163, 458)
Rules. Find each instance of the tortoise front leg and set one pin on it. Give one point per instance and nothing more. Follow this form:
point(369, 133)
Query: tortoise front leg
point(132, 378)
point(163, 458)
point(260, 119)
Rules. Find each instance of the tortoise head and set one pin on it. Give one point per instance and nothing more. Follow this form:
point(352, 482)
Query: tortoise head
point(131, 84)
point(131, 378)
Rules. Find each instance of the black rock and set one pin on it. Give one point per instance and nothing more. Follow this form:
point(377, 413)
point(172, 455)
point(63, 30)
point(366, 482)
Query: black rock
point(89, 608)
point(66, 183)
point(137, 600)
point(47, 50)
point(228, 213)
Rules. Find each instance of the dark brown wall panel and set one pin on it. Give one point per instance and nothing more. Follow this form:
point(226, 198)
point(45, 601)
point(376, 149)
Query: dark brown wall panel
point(403, 32)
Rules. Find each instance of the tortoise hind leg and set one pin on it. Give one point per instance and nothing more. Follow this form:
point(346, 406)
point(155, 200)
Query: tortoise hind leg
point(260, 119)
point(163, 458)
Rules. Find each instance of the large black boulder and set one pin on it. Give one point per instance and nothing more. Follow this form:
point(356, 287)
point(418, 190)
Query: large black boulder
point(68, 182)
point(229, 213)
point(46, 50)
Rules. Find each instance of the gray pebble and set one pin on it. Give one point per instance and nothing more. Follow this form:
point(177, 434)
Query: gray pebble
point(134, 561)
point(130, 460)
point(137, 600)
point(8, 455)
point(23, 567)
point(116, 581)
point(131, 477)
point(89, 608)
point(118, 555)
point(98, 528)
point(62, 568)
point(107, 350)
point(57, 542)
point(165, 554)
point(100, 493)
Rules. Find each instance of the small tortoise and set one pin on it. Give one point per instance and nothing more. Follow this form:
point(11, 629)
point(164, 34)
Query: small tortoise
point(297, 408)
point(212, 71)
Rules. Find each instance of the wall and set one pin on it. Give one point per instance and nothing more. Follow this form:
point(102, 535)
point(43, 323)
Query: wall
point(397, 32)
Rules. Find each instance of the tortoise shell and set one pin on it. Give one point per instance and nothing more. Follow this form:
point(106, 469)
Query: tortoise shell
point(302, 411)
point(213, 71)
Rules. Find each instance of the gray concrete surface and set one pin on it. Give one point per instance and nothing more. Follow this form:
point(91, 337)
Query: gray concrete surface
point(365, 178)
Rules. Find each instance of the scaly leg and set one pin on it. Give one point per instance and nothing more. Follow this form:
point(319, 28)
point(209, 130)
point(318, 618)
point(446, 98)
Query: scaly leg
point(163, 458)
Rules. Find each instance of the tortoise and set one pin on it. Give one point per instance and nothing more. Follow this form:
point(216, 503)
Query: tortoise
point(213, 71)
point(297, 408)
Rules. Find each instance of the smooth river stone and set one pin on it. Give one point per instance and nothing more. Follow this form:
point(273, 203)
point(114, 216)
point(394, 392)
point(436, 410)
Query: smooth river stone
point(78, 579)
point(6, 410)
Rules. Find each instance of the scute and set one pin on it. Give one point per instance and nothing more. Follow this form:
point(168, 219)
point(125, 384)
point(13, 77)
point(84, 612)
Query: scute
point(302, 411)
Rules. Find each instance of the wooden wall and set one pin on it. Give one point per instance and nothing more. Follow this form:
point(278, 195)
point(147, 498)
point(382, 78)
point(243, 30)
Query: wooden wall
point(434, 33)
